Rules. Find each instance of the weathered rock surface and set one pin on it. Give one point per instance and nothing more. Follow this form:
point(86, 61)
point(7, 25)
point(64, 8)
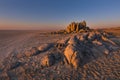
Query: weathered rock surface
point(73, 55)
point(77, 27)
point(44, 47)
point(85, 47)
point(48, 60)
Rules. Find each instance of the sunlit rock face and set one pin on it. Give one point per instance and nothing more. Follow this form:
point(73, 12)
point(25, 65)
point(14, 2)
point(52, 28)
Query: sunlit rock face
point(48, 60)
point(77, 27)
point(84, 47)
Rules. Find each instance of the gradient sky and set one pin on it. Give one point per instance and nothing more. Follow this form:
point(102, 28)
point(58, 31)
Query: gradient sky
point(54, 14)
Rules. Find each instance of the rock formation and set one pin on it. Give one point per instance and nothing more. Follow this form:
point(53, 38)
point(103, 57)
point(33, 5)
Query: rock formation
point(87, 46)
point(74, 27)
point(74, 50)
point(77, 27)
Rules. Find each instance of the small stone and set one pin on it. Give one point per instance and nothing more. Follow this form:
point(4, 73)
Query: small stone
point(106, 52)
point(97, 42)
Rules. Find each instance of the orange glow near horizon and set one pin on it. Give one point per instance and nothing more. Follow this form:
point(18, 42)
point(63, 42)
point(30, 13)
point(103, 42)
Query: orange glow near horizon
point(11, 25)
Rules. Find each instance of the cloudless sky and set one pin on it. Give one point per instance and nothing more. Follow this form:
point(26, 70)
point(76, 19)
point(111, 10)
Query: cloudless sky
point(40, 14)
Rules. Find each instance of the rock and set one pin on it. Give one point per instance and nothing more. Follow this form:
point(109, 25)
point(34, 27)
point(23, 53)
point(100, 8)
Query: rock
point(73, 26)
point(59, 45)
point(81, 38)
point(68, 29)
point(48, 60)
point(97, 42)
point(83, 23)
point(31, 52)
point(106, 52)
point(104, 38)
point(73, 40)
point(59, 32)
point(76, 27)
point(86, 46)
point(73, 55)
point(91, 36)
point(108, 40)
point(19, 55)
point(76, 59)
point(44, 47)
point(28, 53)
point(63, 41)
point(69, 51)
point(82, 31)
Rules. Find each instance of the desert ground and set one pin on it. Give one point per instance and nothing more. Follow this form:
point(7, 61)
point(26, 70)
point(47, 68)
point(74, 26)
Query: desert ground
point(115, 31)
point(17, 40)
point(36, 55)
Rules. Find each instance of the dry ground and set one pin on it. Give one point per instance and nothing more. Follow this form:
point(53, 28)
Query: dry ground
point(106, 67)
point(115, 31)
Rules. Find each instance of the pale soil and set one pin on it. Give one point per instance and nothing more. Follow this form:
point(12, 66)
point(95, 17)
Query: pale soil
point(11, 41)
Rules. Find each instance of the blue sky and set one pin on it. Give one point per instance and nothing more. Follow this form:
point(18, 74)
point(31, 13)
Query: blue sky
point(59, 13)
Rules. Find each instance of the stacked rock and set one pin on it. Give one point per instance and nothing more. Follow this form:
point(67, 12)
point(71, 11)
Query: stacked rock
point(77, 27)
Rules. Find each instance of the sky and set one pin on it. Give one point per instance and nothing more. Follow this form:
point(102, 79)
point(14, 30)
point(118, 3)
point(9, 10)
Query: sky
point(56, 14)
